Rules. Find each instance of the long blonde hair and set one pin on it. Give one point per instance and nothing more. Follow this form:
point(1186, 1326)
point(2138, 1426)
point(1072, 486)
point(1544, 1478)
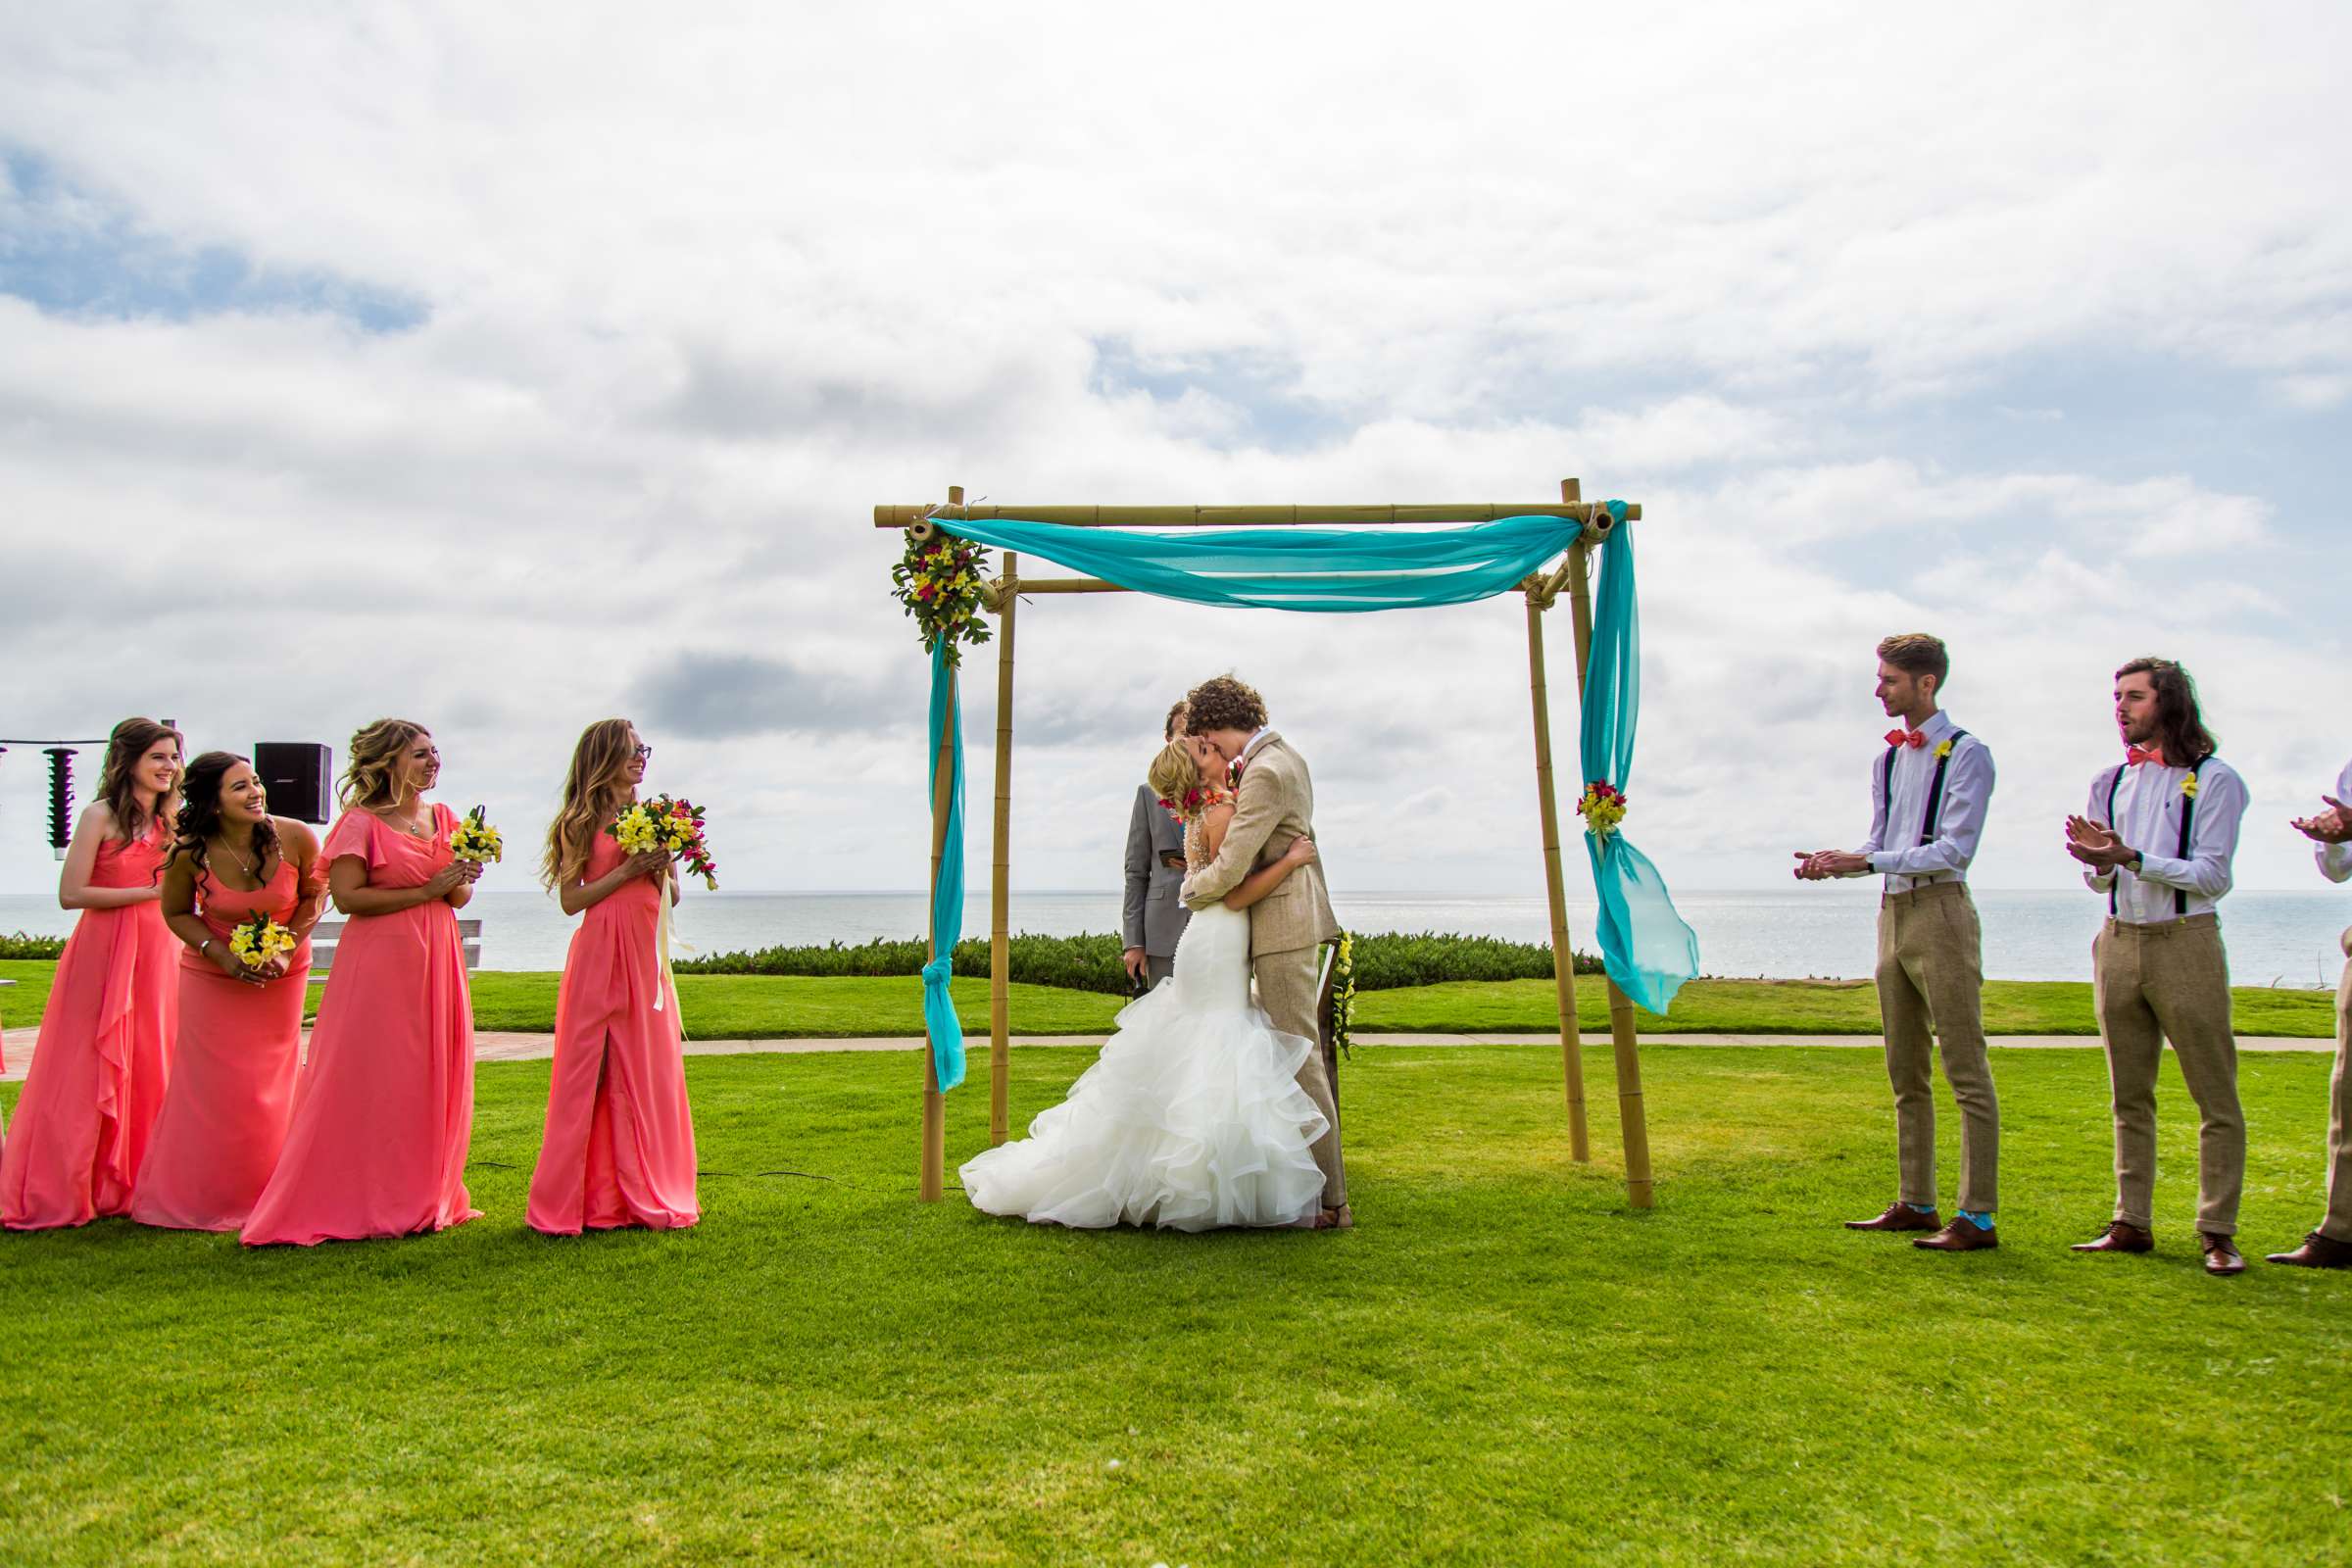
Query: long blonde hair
point(593, 791)
point(374, 754)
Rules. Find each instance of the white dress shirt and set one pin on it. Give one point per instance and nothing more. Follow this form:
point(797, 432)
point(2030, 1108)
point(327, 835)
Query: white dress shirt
point(2335, 860)
point(2148, 818)
point(1894, 847)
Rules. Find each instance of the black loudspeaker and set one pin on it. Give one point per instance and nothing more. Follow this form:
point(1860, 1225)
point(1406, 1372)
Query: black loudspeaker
point(296, 774)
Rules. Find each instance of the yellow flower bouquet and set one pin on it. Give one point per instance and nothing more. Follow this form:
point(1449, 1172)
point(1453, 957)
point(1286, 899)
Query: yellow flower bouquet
point(474, 839)
point(258, 939)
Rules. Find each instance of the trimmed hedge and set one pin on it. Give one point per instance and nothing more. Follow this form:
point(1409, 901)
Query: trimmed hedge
point(1388, 962)
point(21, 946)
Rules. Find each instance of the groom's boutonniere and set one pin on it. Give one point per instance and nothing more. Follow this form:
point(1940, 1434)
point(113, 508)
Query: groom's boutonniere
point(1943, 751)
point(2188, 786)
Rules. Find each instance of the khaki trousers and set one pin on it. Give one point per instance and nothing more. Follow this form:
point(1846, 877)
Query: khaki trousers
point(1286, 989)
point(2338, 1226)
point(2170, 981)
point(1931, 980)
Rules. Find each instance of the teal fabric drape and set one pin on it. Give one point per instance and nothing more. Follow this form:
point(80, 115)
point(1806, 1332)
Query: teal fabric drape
point(947, 898)
point(1644, 944)
point(1328, 571)
point(1335, 571)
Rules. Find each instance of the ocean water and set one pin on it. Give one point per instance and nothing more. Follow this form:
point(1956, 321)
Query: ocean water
point(2285, 939)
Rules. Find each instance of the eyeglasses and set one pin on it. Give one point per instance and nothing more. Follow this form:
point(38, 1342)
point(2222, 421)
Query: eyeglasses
point(643, 751)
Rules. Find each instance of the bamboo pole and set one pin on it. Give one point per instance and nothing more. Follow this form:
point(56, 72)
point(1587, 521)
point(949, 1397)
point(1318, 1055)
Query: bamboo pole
point(1563, 957)
point(1070, 585)
point(935, 1104)
point(1632, 1116)
point(1328, 516)
point(999, 884)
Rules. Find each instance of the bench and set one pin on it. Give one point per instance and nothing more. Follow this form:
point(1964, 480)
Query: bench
point(326, 933)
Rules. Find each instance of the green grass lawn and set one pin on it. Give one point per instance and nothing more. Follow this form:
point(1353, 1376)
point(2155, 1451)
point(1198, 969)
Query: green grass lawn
point(1501, 1364)
point(729, 1006)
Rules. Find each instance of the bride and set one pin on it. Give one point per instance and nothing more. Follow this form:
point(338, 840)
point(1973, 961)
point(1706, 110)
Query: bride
point(1192, 1118)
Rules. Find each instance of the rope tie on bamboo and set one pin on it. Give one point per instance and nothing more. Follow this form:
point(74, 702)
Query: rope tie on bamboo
point(997, 592)
point(1540, 591)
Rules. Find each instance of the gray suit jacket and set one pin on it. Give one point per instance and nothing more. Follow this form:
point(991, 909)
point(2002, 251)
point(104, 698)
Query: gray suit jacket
point(1154, 914)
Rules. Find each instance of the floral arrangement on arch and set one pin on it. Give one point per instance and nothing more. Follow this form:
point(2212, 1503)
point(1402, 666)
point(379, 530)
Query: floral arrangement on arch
point(1602, 808)
point(938, 581)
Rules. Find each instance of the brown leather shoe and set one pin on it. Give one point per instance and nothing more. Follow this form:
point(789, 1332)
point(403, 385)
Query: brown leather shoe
point(2222, 1256)
point(1960, 1236)
point(2119, 1236)
point(2317, 1251)
point(1898, 1217)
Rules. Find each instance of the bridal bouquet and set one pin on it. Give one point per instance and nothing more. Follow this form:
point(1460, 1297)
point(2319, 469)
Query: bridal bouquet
point(1343, 995)
point(476, 840)
point(1602, 808)
point(673, 826)
point(258, 939)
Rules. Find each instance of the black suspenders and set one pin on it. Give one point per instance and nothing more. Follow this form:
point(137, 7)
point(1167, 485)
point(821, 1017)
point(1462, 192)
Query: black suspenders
point(1944, 764)
point(2188, 819)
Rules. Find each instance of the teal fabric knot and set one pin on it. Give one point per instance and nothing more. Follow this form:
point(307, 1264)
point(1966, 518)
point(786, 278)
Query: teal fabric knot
point(942, 1024)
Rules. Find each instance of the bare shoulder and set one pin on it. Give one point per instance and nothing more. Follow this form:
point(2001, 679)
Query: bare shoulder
point(96, 817)
point(297, 836)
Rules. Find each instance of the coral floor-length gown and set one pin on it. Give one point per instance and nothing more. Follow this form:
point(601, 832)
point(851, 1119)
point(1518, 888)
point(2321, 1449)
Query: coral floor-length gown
point(232, 1073)
point(619, 1142)
point(103, 1060)
point(383, 1106)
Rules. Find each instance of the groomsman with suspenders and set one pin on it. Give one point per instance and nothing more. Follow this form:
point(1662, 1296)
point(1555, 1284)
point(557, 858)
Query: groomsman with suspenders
point(1929, 793)
point(2158, 837)
point(2331, 1245)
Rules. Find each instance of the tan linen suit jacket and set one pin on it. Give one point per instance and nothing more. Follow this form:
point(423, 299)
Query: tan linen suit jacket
point(1276, 805)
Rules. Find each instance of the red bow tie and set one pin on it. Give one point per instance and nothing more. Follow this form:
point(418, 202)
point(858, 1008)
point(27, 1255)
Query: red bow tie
point(1913, 738)
point(2134, 756)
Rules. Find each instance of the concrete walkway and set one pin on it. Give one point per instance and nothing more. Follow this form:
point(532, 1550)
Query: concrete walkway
point(501, 1046)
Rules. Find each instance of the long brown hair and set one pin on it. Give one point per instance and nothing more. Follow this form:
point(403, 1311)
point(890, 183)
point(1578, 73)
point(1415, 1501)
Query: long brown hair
point(118, 780)
point(592, 790)
point(2179, 728)
point(375, 753)
point(200, 816)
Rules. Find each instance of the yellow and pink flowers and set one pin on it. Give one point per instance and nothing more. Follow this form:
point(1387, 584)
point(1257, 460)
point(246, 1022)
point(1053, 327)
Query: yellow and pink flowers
point(672, 825)
point(938, 581)
point(1602, 808)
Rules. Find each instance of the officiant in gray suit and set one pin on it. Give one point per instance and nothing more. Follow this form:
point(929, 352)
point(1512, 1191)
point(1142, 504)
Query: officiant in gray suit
point(1153, 914)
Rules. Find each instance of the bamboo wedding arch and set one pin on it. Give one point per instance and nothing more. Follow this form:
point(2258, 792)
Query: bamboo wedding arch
point(1540, 589)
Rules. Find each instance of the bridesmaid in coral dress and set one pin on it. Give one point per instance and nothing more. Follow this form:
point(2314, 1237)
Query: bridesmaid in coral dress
point(104, 1054)
point(383, 1106)
point(241, 1026)
point(619, 1142)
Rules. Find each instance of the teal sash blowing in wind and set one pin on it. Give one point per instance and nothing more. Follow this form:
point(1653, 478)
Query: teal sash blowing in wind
point(1317, 570)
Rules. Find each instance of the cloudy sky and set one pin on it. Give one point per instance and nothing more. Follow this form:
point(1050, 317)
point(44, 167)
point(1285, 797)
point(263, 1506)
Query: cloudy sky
point(509, 366)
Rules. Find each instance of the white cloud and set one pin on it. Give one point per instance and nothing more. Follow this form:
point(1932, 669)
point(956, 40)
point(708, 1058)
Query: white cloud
point(700, 293)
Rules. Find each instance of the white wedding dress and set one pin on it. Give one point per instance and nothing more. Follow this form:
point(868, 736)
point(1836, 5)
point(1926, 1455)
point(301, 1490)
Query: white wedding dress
point(1192, 1119)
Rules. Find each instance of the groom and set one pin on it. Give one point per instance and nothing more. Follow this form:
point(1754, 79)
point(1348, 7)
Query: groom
point(1274, 805)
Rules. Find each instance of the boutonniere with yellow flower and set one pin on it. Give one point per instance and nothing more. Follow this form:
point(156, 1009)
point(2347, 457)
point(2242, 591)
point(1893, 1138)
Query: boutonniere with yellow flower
point(1944, 750)
point(2188, 786)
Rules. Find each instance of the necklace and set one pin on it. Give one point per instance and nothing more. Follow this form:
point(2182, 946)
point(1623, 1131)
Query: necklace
point(412, 826)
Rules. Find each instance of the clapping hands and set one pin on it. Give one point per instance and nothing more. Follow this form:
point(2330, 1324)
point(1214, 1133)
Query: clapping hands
point(2331, 826)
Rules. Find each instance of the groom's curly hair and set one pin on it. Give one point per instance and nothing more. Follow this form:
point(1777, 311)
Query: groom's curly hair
point(1224, 702)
